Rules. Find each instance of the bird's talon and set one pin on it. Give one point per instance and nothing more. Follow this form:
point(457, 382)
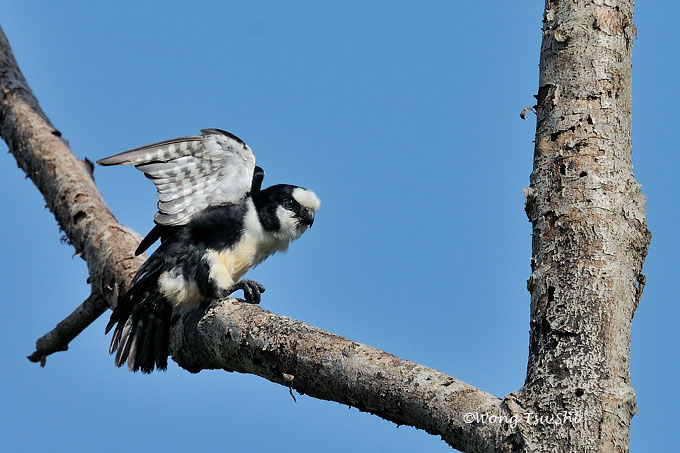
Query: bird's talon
point(251, 290)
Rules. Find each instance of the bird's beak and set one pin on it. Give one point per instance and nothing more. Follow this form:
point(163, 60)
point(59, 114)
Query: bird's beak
point(307, 217)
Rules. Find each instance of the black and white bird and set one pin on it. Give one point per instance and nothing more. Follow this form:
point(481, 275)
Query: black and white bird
point(214, 222)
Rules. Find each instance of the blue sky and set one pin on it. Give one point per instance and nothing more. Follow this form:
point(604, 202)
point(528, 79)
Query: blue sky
point(403, 117)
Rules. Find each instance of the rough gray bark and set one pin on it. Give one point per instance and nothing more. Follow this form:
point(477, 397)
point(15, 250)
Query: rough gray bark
point(590, 237)
point(589, 242)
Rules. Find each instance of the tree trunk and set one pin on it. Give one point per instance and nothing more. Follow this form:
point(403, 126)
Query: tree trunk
point(590, 236)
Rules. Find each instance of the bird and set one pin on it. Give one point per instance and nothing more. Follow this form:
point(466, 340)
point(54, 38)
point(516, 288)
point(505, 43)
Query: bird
point(215, 222)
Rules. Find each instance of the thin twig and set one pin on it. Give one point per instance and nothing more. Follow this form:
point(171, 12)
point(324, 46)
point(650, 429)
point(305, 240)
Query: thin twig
point(58, 338)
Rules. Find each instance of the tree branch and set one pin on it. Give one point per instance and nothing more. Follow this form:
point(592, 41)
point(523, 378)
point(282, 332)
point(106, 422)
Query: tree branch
point(68, 188)
point(236, 336)
point(58, 338)
point(231, 336)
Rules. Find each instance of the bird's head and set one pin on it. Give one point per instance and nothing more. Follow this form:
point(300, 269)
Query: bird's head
point(286, 211)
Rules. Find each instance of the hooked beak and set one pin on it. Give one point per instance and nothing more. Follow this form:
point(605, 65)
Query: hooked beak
point(307, 217)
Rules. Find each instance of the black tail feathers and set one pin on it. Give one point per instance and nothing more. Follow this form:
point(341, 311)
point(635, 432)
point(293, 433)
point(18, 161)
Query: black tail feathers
point(141, 334)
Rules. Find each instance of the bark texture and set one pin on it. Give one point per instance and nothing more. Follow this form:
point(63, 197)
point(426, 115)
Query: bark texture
point(590, 237)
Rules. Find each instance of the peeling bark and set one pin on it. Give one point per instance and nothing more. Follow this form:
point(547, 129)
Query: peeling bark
point(590, 237)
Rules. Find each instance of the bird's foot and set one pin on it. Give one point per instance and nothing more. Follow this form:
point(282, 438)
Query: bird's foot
point(251, 290)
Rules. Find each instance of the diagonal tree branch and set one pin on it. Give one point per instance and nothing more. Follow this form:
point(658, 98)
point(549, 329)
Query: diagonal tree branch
point(58, 338)
point(65, 182)
point(241, 337)
point(68, 188)
point(232, 336)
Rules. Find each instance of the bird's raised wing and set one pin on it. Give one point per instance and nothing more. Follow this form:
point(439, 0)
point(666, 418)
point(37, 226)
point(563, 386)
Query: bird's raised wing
point(192, 173)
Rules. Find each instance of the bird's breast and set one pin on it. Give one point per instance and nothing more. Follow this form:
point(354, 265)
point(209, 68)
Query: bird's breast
point(229, 265)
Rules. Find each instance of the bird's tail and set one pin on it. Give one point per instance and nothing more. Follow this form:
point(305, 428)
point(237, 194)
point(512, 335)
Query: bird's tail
point(142, 331)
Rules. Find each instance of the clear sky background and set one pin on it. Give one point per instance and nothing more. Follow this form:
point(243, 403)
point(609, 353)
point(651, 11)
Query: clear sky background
point(404, 118)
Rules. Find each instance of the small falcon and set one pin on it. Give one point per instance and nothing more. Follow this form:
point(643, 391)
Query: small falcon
point(215, 222)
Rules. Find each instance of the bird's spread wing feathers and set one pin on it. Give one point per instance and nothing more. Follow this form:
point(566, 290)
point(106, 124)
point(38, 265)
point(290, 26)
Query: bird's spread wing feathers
point(192, 173)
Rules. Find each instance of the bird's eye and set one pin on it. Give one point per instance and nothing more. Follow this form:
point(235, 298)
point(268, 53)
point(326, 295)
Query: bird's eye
point(288, 203)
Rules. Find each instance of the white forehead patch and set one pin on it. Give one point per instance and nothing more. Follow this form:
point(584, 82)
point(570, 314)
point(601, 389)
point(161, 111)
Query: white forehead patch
point(306, 198)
